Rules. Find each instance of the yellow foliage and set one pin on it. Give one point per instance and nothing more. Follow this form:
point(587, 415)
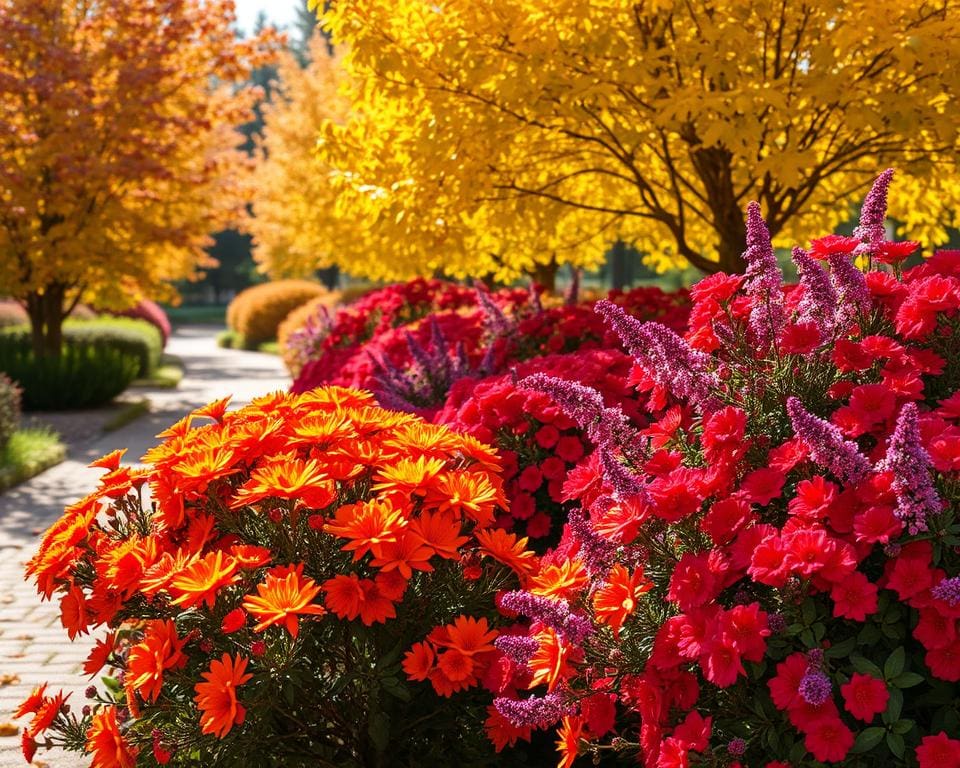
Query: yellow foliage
point(118, 152)
point(488, 136)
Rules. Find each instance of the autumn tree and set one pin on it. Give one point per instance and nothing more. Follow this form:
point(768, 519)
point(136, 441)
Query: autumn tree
point(118, 153)
point(489, 125)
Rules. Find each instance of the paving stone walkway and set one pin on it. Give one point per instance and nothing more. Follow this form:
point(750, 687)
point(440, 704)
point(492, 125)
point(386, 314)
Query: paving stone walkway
point(33, 646)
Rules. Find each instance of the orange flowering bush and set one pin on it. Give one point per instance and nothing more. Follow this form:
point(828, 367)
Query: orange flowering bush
point(266, 583)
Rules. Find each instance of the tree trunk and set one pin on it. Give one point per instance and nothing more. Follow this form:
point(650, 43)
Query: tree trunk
point(546, 275)
point(46, 312)
point(730, 252)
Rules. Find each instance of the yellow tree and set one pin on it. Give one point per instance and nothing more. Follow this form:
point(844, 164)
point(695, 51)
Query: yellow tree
point(307, 217)
point(118, 154)
point(652, 121)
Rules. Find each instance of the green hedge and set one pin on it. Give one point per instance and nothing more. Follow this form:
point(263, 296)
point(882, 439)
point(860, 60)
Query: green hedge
point(92, 368)
point(136, 336)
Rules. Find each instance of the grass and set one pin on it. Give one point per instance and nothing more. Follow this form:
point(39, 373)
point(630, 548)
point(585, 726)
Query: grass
point(28, 453)
point(232, 340)
point(167, 375)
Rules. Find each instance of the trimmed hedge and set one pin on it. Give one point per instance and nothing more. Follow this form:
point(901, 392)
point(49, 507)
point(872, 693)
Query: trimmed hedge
point(256, 313)
point(136, 336)
point(94, 366)
point(9, 409)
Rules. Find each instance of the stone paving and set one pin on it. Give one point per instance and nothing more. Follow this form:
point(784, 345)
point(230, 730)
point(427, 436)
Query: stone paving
point(33, 646)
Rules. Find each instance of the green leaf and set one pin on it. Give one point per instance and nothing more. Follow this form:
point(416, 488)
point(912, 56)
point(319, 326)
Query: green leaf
point(895, 663)
point(895, 744)
point(806, 637)
point(379, 731)
point(907, 680)
point(797, 753)
point(808, 611)
point(841, 650)
point(894, 706)
point(902, 726)
point(867, 739)
point(865, 666)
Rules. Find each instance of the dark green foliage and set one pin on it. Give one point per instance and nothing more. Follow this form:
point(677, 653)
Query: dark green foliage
point(9, 409)
point(91, 370)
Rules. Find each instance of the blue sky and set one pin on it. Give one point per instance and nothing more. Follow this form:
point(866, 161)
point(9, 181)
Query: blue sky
point(280, 12)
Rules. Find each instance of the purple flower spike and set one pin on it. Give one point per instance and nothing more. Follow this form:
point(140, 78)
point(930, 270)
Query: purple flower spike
point(819, 301)
point(762, 280)
point(873, 213)
point(853, 294)
point(665, 356)
point(536, 711)
point(574, 627)
point(948, 590)
point(828, 447)
point(909, 462)
point(517, 648)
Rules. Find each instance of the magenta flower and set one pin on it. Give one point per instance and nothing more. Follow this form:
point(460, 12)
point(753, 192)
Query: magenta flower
point(828, 447)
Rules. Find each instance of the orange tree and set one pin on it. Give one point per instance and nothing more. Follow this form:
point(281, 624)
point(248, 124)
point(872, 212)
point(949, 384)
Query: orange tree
point(117, 149)
point(653, 121)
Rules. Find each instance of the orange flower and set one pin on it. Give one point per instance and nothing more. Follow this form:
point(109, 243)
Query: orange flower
point(550, 662)
point(283, 598)
point(469, 635)
point(349, 596)
point(568, 743)
point(456, 666)
point(506, 548)
point(406, 554)
point(46, 713)
point(325, 428)
point(368, 525)
point(202, 579)
point(502, 732)
point(159, 650)
point(214, 410)
point(467, 493)
point(28, 746)
point(430, 440)
point(73, 612)
point(418, 661)
point(98, 656)
point(176, 430)
point(32, 703)
point(287, 477)
point(250, 555)
point(110, 462)
point(217, 696)
point(233, 621)
point(106, 744)
point(408, 477)
point(205, 465)
point(617, 599)
point(344, 595)
point(440, 532)
point(392, 585)
point(562, 580)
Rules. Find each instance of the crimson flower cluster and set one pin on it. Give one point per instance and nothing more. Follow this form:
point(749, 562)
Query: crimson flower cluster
point(768, 573)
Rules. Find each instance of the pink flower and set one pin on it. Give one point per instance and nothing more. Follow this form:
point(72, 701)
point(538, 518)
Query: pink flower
point(938, 752)
point(854, 597)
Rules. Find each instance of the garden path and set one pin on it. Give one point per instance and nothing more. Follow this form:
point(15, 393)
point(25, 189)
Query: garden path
point(33, 646)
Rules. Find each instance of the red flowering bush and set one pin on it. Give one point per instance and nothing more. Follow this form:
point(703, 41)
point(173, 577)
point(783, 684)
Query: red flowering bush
point(327, 345)
point(537, 442)
point(260, 580)
point(769, 573)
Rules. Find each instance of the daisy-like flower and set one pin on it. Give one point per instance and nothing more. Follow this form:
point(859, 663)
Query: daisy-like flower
point(217, 696)
point(287, 477)
point(282, 598)
point(368, 525)
point(617, 599)
point(469, 636)
point(160, 649)
point(200, 581)
point(440, 532)
point(106, 744)
point(467, 493)
point(506, 548)
point(568, 740)
point(408, 476)
point(214, 410)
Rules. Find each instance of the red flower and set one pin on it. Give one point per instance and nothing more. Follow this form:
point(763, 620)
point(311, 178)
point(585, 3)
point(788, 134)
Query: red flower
point(822, 247)
point(570, 449)
point(828, 739)
point(893, 253)
point(865, 696)
point(938, 752)
point(799, 338)
point(945, 662)
point(854, 597)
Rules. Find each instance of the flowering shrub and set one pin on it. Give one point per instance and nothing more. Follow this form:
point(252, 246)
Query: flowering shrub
point(259, 607)
point(537, 442)
point(768, 574)
point(297, 334)
point(328, 345)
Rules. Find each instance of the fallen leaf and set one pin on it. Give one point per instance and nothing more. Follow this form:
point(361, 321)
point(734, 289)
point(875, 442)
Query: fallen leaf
point(9, 729)
point(9, 679)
